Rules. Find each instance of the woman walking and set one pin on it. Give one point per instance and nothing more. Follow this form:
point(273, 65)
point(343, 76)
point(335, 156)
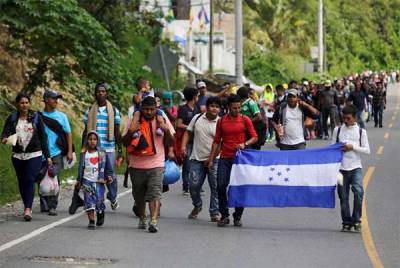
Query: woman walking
point(30, 146)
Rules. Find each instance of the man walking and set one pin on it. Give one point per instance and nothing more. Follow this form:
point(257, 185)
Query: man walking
point(105, 119)
point(288, 121)
point(378, 103)
point(230, 136)
point(146, 163)
point(59, 141)
point(355, 141)
point(329, 107)
point(250, 108)
point(202, 128)
point(359, 99)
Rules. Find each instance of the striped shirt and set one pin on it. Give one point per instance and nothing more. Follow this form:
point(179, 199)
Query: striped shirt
point(102, 126)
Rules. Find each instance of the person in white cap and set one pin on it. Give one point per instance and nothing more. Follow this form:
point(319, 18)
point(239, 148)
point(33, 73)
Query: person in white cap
point(201, 103)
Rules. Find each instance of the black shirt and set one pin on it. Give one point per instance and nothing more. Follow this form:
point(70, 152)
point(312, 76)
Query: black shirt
point(185, 113)
point(358, 98)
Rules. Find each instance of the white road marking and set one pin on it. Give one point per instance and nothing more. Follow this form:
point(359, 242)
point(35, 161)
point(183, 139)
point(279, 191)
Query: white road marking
point(48, 227)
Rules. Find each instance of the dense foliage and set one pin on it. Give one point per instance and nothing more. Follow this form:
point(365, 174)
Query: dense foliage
point(79, 42)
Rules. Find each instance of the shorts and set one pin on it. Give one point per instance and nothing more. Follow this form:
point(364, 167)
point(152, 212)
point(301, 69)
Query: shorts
point(147, 184)
point(93, 195)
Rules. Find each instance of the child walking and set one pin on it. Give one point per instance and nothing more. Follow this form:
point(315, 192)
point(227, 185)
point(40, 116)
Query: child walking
point(355, 141)
point(94, 172)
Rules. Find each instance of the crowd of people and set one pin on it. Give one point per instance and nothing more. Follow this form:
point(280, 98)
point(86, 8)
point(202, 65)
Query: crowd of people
point(202, 136)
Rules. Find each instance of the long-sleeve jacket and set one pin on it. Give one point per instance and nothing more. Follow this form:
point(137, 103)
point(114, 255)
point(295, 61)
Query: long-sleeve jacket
point(105, 167)
point(39, 137)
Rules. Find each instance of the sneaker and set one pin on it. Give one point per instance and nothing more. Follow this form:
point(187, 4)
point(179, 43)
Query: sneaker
point(185, 192)
point(52, 212)
point(214, 218)
point(237, 222)
point(159, 132)
point(114, 205)
point(91, 226)
point(100, 218)
point(142, 223)
point(195, 212)
point(326, 137)
point(346, 228)
point(357, 227)
point(153, 226)
point(223, 221)
point(28, 214)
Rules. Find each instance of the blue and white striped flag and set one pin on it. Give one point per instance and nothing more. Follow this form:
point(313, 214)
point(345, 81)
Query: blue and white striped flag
point(301, 178)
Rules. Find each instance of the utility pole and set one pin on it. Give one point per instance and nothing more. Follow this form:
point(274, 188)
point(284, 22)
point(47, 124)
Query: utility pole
point(238, 43)
point(320, 37)
point(210, 68)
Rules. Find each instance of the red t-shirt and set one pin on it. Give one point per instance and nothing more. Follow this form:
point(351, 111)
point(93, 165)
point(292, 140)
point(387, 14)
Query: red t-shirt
point(232, 133)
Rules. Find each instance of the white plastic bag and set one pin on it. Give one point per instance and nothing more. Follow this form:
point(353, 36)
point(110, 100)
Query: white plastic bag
point(12, 140)
point(67, 165)
point(49, 186)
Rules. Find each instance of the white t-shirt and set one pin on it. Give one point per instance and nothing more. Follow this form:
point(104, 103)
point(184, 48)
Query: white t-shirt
point(204, 133)
point(293, 126)
point(91, 171)
point(24, 131)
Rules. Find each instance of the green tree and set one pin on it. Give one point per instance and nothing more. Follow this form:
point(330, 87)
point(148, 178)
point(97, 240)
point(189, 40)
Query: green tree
point(60, 41)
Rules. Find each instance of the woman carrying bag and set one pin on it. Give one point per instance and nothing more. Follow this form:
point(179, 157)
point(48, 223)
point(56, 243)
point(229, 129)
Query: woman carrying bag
point(25, 128)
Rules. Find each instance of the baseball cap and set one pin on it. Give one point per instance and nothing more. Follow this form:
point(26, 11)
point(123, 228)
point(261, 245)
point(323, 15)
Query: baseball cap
point(328, 83)
point(201, 84)
point(293, 92)
point(305, 83)
point(49, 93)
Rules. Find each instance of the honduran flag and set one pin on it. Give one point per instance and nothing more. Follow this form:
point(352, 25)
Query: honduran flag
point(301, 178)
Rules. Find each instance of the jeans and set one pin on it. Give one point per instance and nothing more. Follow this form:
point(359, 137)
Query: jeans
point(113, 187)
point(360, 118)
point(378, 115)
point(27, 172)
point(223, 176)
point(48, 202)
point(353, 178)
point(198, 172)
point(186, 168)
point(93, 194)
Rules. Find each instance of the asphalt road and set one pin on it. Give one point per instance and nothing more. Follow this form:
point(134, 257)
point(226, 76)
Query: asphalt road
point(298, 237)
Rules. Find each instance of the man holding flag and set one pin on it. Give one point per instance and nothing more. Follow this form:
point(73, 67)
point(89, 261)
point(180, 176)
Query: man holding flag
point(231, 135)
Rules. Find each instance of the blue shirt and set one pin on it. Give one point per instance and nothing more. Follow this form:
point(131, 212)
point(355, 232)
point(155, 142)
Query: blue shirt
point(62, 119)
point(102, 127)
